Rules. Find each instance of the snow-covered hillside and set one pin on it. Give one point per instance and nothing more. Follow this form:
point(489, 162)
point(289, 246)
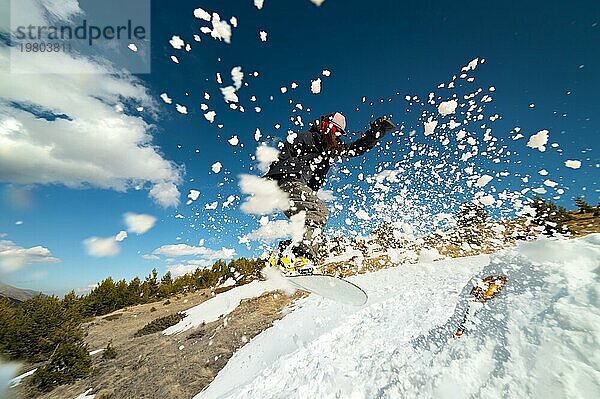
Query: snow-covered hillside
point(538, 338)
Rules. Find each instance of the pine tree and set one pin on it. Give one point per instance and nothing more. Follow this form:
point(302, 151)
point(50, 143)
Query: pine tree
point(470, 214)
point(150, 286)
point(384, 236)
point(583, 206)
point(134, 291)
point(69, 362)
point(550, 216)
point(166, 285)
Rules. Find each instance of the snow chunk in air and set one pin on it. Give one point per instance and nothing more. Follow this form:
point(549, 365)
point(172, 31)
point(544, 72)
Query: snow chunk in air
point(121, 235)
point(165, 97)
point(430, 126)
point(264, 196)
point(447, 107)
point(221, 29)
point(216, 167)
point(210, 116)
point(539, 140)
point(483, 180)
point(266, 156)
point(573, 164)
point(471, 65)
point(176, 42)
point(193, 195)
point(201, 14)
point(315, 86)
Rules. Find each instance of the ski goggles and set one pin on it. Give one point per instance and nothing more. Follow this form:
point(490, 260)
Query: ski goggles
point(330, 128)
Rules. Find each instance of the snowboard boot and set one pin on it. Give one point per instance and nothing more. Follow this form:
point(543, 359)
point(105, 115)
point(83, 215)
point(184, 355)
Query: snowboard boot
point(304, 266)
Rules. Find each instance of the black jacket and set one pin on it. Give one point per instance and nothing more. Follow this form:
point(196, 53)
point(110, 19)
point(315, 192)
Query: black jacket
point(306, 159)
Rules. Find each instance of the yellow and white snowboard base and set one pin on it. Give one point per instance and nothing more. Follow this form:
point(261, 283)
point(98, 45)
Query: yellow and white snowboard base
point(330, 287)
point(304, 275)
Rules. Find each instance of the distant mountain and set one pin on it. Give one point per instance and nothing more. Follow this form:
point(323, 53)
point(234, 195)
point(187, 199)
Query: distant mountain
point(15, 294)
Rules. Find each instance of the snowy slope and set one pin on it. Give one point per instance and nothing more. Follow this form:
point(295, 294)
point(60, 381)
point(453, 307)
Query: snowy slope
point(538, 338)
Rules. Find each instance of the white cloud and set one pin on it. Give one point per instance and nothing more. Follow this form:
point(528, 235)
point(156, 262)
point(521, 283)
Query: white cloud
point(190, 266)
point(138, 223)
point(205, 256)
point(264, 195)
point(259, 3)
point(14, 257)
point(101, 247)
point(150, 257)
point(165, 194)
point(86, 290)
point(175, 250)
point(62, 9)
point(180, 250)
point(181, 269)
point(89, 143)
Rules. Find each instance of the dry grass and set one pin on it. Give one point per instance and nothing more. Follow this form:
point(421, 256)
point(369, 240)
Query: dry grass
point(154, 366)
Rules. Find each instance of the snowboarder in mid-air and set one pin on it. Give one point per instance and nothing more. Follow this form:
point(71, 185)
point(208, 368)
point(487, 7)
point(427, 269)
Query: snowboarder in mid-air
point(301, 169)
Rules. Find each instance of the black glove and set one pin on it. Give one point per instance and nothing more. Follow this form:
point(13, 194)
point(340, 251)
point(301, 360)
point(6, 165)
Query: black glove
point(381, 126)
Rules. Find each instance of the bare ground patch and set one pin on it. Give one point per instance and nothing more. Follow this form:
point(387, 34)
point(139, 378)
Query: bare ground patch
point(159, 366)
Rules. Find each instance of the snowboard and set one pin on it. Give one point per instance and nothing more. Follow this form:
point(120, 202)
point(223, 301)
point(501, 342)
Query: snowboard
point(330, 287)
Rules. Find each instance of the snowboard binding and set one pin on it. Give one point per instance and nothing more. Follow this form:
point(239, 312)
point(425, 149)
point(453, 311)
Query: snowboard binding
point(290, 265)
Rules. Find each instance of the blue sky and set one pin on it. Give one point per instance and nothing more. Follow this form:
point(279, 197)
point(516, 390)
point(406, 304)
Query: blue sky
point(535, 53)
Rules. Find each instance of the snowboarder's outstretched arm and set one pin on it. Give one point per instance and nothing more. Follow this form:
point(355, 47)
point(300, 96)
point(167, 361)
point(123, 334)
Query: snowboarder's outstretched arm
point(379, 127)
